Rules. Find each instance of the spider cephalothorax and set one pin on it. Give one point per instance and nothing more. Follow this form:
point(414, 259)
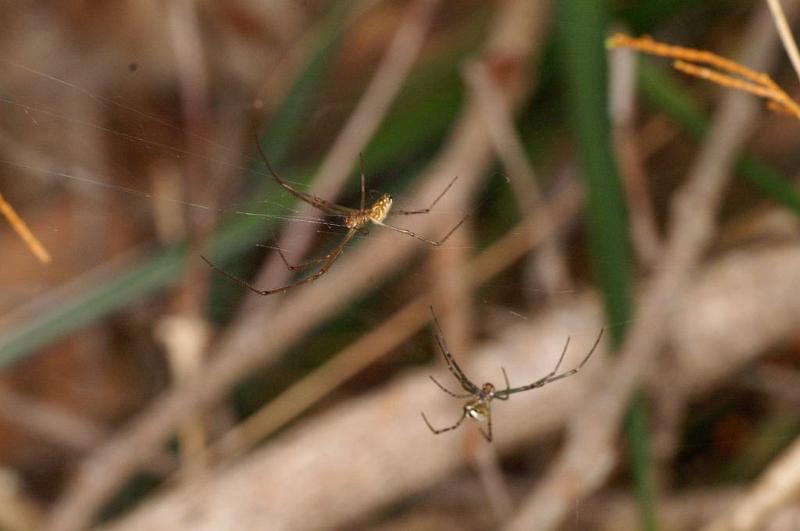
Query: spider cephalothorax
point(478, 407)
point(355, 219)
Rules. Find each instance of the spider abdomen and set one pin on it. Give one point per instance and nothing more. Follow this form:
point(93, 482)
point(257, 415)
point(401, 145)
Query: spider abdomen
point(375, 213)
point(477, 410)
point(380, 209)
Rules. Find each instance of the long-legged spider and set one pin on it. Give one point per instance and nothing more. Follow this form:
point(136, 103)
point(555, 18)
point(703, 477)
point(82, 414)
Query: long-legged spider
point(478, 407)
point(355, 219)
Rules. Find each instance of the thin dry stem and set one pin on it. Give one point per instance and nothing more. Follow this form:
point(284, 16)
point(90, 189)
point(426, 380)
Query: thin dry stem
point(690, 61)
point(648, 45)
point(622, 96)
point(668, 406)
point(184, 334)
point(49, 421)
point(17, 512)
point(684, 511)
point(167, 214)
point(725, 80)
point(22, 230)
point(789, 44)
point(185, 339)
point(776, 487)
point(487, 462)
point(550, 263)
point(453, 298)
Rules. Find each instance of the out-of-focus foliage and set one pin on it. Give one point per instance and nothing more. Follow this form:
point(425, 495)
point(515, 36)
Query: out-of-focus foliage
point(124, 180)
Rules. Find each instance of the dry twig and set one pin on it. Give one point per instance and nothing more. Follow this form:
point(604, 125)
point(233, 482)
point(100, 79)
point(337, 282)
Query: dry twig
point(184, 333)
point(48, 421)
point(551, 265)
point(723, 72)
point(777, 486)
point(622, 104)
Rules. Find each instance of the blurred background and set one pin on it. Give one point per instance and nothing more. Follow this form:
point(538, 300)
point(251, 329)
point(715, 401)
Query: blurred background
point(600, 189)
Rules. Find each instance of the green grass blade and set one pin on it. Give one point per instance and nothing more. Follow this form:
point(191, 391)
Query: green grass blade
point(583, 31)
point(87, 307)
point(582, 24)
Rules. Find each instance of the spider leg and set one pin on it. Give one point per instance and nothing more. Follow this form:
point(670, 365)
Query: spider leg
point(579, 367)
point(332, 257)
point(488, 433)
point(424, 210)
point(448, 391)
point(560, 359)
point(435, 243)
point(542, 381)
point(442, 430)
point(455, 370)
point(316, 202)
point(305, 263)
point(552, 377)
point(503, 395)
point(363, 187)
point(453, 367)
point(549, 377)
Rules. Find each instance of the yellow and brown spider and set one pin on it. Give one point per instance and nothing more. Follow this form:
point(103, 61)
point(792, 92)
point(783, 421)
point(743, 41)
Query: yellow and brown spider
point(478, 407)
point(355, 219)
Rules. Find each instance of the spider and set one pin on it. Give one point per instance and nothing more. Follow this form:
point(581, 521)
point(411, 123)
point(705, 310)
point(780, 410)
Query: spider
point(356, 220)
point(478, 407)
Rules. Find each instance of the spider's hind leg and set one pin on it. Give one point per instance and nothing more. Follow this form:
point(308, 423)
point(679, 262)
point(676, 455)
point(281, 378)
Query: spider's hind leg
point(503, 395)
point(488, 433)
point(304, 263)
point(442, 430)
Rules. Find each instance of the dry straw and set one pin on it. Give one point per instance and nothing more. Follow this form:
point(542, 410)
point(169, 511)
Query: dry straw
point(712, 67)
point(19, 226)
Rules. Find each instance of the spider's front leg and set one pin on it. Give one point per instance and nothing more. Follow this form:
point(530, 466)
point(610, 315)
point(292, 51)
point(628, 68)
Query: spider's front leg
point(452, 366)
point(448, 391)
